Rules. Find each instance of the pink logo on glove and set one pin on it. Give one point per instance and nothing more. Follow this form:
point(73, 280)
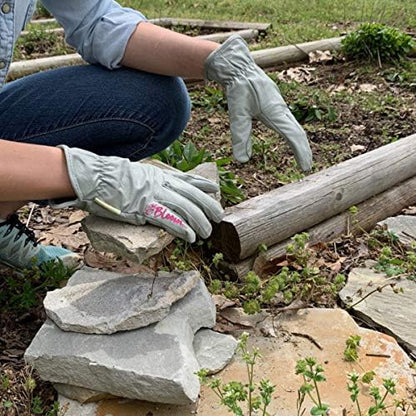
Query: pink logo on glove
point(160, 212)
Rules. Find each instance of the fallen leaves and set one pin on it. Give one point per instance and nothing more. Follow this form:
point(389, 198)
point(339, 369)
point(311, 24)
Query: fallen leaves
point(357, 148)
point(71, 237)
point(321, 57)
point(300, 74)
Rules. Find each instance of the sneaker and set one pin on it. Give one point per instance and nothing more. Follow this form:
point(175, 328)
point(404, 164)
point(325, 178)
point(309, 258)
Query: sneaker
point(20, 250)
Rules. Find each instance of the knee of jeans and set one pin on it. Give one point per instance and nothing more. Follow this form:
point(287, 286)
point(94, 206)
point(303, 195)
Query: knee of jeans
point(176, 110)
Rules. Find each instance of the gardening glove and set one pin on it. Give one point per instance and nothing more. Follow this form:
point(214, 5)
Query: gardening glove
point(252, 94)
point(137, 193)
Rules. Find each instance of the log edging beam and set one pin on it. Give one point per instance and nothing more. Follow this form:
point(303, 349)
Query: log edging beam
point(369, 213)
point(279, 214)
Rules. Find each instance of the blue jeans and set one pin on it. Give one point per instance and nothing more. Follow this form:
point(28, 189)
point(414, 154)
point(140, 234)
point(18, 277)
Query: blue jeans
point(125, 112)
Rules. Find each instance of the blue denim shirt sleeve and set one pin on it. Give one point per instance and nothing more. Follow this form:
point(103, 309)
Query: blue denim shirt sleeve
point(98, 29)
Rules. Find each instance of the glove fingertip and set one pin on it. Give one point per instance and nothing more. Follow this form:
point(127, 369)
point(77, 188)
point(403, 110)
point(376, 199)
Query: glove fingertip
point(241, 158)
point(190, 236)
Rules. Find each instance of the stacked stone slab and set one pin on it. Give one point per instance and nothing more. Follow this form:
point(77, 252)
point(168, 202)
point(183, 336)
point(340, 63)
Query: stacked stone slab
point(139, 243)
point(156, 362)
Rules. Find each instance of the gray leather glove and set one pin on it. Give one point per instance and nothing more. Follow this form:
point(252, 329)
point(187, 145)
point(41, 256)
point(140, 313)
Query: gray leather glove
point(137, 193)
point(252, 94)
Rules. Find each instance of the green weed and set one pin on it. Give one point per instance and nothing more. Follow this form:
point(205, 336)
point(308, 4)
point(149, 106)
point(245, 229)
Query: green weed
point(378, 43)
point(301, 279)
point(375, 392)
point(312, 374)
point(351, 349)
point(23, 291)
point(38, 42)
point(186, 157)
point(306, 112)
point(211, 99)
point(255, 397)
point(18, 396)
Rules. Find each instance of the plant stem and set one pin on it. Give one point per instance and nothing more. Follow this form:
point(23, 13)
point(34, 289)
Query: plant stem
point(316, 388)
point(317, 393)
point(359, 409)
point(377, 289)
point(384, 397)
point(309, 393)
point(250, 384)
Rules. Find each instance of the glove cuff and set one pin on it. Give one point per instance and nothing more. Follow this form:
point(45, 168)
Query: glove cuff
point(231, 60)
point(79, 161)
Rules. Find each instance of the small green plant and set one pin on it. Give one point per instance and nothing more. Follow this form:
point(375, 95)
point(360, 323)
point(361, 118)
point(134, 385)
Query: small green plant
point(379, 399)
point(186, 157)
point(377, 42)
point(210, 99)
point(18, 396)
point(302, 279)
point(41, 11)
point(312, 374)
point(26, 290)
point(298, 249)
point(351, 349)
point(37, 42)
point(231, 291)
point(253, 397)
point(305, 112)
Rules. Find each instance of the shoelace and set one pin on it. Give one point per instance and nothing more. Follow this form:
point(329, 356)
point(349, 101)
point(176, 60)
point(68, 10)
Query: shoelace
point(14, 222)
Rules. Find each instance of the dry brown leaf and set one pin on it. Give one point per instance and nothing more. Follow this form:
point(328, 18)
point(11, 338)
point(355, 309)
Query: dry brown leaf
point(301, 74)
point(409, 211)
point(77, 216)
point(70, 237)
point(367, 87)
point(357, 148)
point(221, 302)
point(110, 262)
point(320, 57)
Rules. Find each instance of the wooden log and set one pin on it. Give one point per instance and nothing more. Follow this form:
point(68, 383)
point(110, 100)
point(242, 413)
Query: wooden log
point(220, 37)
point(22, 68)
point(275, 216)
point(370, 212)
point(294, 53)
point(211, 24)
point(43, 21)
point(56, 30)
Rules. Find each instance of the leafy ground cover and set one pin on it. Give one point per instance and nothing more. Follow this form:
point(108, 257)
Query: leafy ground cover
point(346, 107)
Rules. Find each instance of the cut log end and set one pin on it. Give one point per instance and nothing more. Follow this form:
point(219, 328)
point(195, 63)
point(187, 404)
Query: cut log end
point(225, 239)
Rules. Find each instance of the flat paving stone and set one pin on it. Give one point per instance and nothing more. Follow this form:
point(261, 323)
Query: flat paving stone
point(320, 333)
point(393, 313)
point(121, 303)
point(404, 226)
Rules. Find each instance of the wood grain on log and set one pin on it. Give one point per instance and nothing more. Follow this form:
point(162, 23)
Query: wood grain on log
point(22, 68)
point(211, 24)
point(277, 215)
point(369, 213)
point(220, 37)
point(294, 53)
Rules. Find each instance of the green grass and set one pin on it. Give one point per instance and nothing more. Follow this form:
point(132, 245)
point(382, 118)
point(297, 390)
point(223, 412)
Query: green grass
point(293, 21)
